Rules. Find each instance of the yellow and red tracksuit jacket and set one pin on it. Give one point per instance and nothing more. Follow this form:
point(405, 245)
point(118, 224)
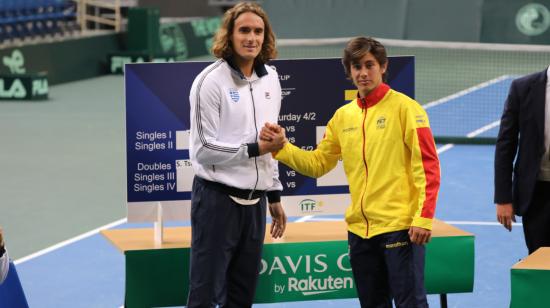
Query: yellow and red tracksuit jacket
point(390, 161)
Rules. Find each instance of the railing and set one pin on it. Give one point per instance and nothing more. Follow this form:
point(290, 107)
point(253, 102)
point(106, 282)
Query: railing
point(99, 13)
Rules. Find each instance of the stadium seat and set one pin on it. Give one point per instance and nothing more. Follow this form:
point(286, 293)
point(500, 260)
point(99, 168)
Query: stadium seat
point(20, 19)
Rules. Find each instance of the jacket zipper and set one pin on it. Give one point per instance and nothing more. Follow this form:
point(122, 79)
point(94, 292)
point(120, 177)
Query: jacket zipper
point(366, 170)
point(256, 127)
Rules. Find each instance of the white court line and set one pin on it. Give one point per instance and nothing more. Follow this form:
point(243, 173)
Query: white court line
point(478, 131)
point(483, 129)
point(69, 241)
point(471, 134)
point(445, 148)
point(465, 91)
point(304, 218)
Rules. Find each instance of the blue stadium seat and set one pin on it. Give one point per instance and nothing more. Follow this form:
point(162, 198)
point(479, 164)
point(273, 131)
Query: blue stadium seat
point(20, 19)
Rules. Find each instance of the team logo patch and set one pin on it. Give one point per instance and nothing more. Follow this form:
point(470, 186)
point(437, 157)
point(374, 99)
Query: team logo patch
point(420, 120)
point(381, 123)
point(234, 94)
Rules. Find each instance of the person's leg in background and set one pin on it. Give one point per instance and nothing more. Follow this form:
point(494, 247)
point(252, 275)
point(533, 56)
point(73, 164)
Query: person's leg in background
point(536, 222)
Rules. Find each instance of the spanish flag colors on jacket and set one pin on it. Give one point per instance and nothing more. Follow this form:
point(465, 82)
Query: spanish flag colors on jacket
point(389, 159)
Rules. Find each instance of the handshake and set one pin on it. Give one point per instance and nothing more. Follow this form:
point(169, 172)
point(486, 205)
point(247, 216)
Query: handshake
point(272, 138)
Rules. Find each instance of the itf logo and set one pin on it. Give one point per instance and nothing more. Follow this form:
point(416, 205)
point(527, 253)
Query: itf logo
point(533, 19)
point(310, 206)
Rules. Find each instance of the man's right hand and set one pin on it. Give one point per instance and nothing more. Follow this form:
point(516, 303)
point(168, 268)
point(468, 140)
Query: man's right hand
point(272, 138)
point(1, 238)
point(505, 215)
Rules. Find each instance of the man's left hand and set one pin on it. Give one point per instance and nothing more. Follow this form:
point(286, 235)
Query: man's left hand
point(278, 219)
point(419, 235)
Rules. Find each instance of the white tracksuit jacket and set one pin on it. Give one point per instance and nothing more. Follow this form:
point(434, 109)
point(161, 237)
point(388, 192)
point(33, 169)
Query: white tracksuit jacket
point(227, 113)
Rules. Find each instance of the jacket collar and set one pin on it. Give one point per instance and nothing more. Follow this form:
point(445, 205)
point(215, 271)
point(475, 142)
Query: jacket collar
point(373, 97)
point(259, 68)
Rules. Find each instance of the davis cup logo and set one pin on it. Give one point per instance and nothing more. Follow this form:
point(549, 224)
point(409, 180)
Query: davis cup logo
point(533, 19)
point(234, 94)
point(306, 275)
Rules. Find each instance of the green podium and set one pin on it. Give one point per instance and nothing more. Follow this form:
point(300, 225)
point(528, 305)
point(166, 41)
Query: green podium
point(309, 263)
point(531, 280)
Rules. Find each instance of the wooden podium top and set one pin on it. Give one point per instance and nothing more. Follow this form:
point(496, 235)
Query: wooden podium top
point(180, 237)
point(538, 260)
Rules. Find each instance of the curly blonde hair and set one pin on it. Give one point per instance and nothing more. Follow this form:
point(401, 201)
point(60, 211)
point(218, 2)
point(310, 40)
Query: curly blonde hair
point(222, 47)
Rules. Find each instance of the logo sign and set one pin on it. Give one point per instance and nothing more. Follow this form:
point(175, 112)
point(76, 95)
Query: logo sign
point(533, 19)
point(24, 87)
point(172, 40)
point(282, 77)
point(381, 123)
point(305, 271)
point(284, 91)
point(310, 206)
point(205, 27)
point(118, 61)
point(13, 90)
point(40, 87)
point(234, 94)
point(420, 119)
point(15, 62)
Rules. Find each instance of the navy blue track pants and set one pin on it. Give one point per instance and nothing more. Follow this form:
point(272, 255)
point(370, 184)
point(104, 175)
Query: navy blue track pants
point(388, 266)
point(226, 248)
